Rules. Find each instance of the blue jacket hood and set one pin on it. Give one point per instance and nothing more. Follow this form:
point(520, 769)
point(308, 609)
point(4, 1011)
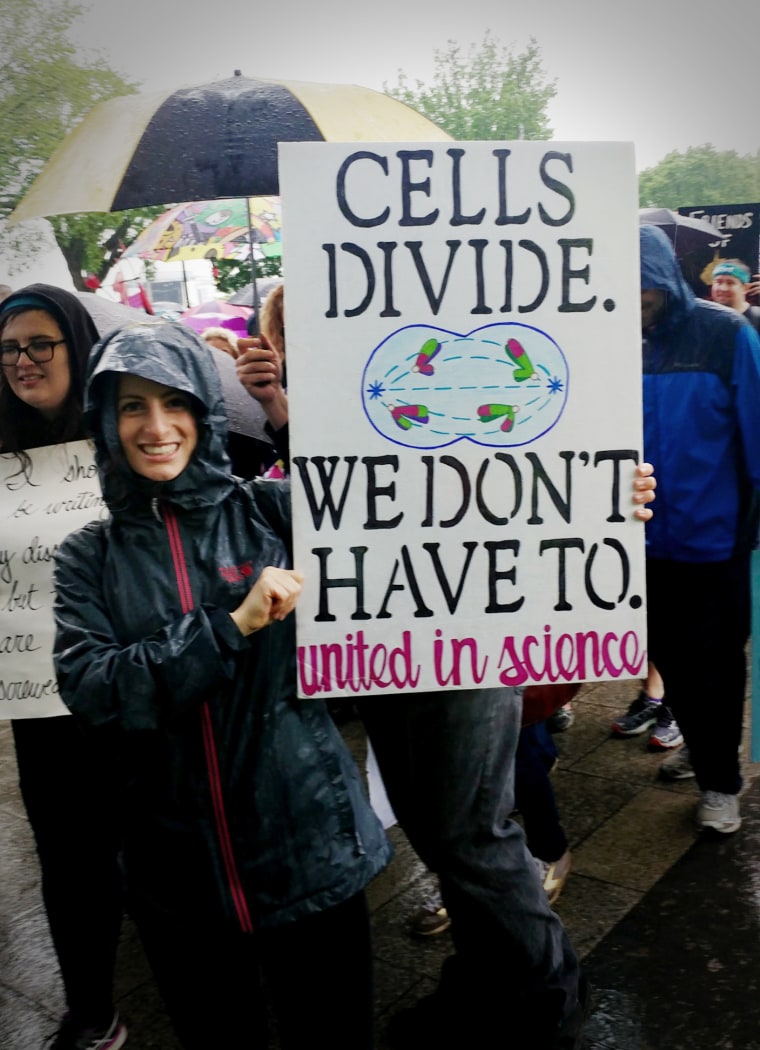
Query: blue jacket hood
point(661, 269)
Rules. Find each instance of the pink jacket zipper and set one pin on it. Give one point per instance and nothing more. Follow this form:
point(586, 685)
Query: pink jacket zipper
point(209, 745)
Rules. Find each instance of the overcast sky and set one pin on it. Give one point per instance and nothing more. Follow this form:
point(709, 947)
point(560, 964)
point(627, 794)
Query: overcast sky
point(648, 71)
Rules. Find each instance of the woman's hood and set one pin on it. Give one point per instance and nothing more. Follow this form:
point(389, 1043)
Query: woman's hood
point(172, 354)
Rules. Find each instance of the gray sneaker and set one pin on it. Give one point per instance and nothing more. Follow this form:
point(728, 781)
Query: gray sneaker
point(677, 766)
point(666, 733)
point(638, 718)
point(719, 812)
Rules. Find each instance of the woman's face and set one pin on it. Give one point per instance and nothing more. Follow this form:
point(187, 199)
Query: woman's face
point(157, 428)
point(42, 386)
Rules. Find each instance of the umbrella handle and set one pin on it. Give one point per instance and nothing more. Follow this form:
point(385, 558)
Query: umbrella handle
point(254, 329)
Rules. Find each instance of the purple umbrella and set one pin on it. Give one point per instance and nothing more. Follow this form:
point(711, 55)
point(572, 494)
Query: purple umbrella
point(216, 313)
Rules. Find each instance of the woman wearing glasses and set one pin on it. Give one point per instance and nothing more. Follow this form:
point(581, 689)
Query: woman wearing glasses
point(68, 774)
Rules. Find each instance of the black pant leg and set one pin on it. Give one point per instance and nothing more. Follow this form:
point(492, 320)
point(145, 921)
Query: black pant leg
point(70, 783)
point(319, 972)
point(316, 976)
point(699, 621)
point(208, 976)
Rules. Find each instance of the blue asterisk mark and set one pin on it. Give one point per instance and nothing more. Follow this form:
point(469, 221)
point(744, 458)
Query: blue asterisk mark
point(555, 385)
point(375, 390)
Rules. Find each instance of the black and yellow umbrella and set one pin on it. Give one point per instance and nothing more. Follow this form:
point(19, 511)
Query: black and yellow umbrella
point(200, 143)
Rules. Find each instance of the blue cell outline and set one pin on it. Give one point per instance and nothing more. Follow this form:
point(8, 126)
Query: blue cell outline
point(554, 387)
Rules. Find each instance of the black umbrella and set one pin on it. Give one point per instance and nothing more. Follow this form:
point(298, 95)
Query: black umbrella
point(687, 234)
point(245, 415)
point(213, 140)
point(210, 141)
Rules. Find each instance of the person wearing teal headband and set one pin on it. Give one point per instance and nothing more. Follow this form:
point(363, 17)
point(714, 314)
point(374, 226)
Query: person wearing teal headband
point(734, 268)
point(730, 280)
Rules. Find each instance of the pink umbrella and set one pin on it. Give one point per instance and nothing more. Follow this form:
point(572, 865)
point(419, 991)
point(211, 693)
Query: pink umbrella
point(217, 313)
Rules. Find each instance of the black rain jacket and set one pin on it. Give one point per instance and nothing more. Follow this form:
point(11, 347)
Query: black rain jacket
point(244, 801)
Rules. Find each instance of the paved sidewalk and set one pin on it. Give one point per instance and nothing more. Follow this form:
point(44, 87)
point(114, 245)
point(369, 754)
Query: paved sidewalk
point(666, 920)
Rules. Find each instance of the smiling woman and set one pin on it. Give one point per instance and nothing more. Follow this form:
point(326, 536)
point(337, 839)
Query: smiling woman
point(157, 428)
point(36, 362)
point(249, 839)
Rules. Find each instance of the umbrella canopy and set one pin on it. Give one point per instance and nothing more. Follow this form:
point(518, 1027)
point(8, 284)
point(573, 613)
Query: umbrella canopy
point(211, 141)
point(245, 415)
point(265, 285)
point(687, 234)
point(107, 314)
point(217, 313)
point(215, 229)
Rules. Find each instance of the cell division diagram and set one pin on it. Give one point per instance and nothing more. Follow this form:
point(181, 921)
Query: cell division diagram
point(501, 385)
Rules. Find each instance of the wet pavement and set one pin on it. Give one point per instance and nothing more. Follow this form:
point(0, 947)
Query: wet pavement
point(667, 921)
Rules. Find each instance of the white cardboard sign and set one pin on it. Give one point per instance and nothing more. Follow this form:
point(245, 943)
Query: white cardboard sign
point(37, 511)
point(464, 369)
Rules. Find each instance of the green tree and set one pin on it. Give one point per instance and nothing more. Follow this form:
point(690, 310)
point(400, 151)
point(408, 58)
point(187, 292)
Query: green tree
point(92, 242)
point(701, 175)
point(489, 92)
point(234, 274)
point(45, 90)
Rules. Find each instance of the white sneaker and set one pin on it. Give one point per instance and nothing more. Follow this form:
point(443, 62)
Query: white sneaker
point(677, 766)
point(719, 812)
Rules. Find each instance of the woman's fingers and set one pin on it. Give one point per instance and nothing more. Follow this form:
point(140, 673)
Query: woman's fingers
point(644, 485)
point(284, 588)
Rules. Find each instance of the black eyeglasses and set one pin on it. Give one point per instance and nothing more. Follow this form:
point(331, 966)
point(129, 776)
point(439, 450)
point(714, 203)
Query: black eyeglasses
point(39, 351)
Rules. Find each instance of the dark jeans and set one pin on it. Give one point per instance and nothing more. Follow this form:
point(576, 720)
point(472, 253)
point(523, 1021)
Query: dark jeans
point(214, 978)
point(698, 619)
point(534, 794)
point(69, 780)
point(447, 760)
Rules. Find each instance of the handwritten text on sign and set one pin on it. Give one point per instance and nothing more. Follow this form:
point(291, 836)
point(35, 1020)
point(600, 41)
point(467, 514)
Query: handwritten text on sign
point(464, 379)
point(39, 509)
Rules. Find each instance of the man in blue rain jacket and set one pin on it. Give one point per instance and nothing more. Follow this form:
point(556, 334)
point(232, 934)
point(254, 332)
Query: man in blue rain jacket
point(701, 365)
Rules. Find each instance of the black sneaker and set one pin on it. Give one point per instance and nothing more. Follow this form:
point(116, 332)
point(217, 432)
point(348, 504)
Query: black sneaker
point(433, 1022)
point(72, 1036)
point(430, 920)
point(666, 733)
point(642, 714)
point(428, 1023)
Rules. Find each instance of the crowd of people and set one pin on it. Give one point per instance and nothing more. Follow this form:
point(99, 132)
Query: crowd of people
point(189, 781)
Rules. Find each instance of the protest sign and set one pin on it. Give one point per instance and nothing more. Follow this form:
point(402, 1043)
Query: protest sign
point(737, 229)
point(40, 507)
point(464, 369)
